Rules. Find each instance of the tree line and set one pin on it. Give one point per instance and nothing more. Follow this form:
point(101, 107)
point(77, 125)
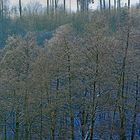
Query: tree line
point(35, 17)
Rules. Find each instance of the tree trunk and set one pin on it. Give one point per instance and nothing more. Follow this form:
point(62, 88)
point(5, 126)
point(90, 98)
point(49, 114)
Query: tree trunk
point(94, 97)
point(26, 117)
point(115, 4)
point(54, 113)
point(119, 4)
point(84, 115)
point(112, 125)
point(104, 4)
point(109, 5)
point(83, 124)
point(5, 128)
point(53, 126)
point(55, 5)
point(135, 110)
point(70, 91)
point(93, 112)
point(41, 118)
point(16, 137)
point(101, 5)
point(20, 8)
point(71, 113)
point(122, 98)
point(129, 4)
point(64, 5)
point(82, 5)
point(16, 117)
point(78, 5)
point(48, 6)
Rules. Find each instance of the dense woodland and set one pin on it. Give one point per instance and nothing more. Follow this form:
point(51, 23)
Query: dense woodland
point(70, 75)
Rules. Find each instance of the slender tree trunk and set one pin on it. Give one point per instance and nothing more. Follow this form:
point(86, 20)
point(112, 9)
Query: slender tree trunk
point(41, 117)
point(129, 4)
point(64, 5)
point(55, 5)
point(115, 3)
point(20, 8)
point(119, 4)
point(82, 5)
point(101, 5)
point(16, 117)
point(16, 137)
point(94, 97)
point(48, 6)
point(135, 110)
point(93, 112)
point(62, 129)
point(109, 5)
point(104, 4)
point(54, 113)
point(114, 113)
point(71, 113)
point(87, 5)
point(30, 131)
point(26, 117)
point(83, 124)
point(70, 91)
point(5, 128)
point(72, 125)
point(78, 5)
point(84, 115)
point(53, 127)
point(112, 125)
point(122, 107)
